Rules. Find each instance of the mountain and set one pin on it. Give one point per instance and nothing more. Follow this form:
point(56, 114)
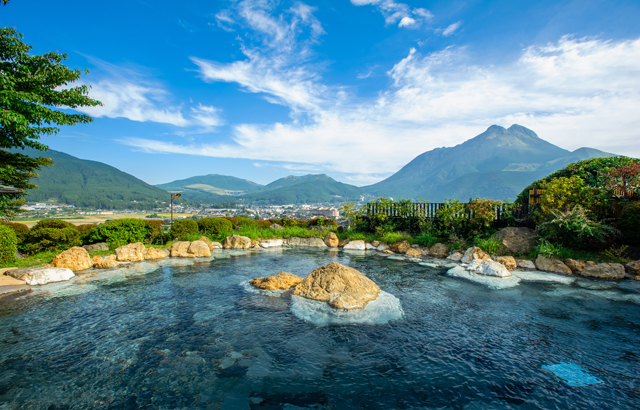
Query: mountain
point(496, 164)
point(212, 188)
point(303, 189)
point(93, 184)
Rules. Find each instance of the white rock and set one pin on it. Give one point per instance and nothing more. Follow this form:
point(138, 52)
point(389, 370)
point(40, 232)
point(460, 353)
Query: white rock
point(525, 264)
point(488, 267)
point(271, 243)
point(356, 245)
point(489, 281)
point(41, 275)
point(382, 247)
point(456, 256)
point(382, 310)
point(537, 276)
point(429, 265)
point(369, 246)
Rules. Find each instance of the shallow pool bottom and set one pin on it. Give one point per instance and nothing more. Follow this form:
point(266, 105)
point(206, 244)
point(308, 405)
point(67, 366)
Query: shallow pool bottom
point(193, 337)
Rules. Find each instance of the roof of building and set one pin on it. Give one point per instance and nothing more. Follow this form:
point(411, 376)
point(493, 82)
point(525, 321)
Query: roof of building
point(6, 189)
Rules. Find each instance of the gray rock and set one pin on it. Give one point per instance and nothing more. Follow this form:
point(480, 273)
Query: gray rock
point(604, 270)
point(517, 240)
point(307, 242)
point(97, 247)
point(552, 265)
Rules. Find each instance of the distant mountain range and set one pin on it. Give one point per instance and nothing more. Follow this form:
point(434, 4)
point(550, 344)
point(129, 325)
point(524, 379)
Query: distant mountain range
point(496, 164)
point(90, 184)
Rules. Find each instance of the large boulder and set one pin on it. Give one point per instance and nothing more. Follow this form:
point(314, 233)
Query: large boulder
point(155, 253)
point(343, 242)
point(633, 269)
point(180, 249)
point(199, 249)
point(97, 247)
point(552, 265)
point(312, 242)
point(271, 243)
point(357, 245)
point(456, 257)
point(109, 262)
point(279, 281)
point(134, 252)
point(604, 270)
point(576, 266)
point(255, 244)
point(76, 259)
point(216, 245)
point(39, 275)
point(413, 253)
point(525, 264)
point(400, 247)
point(236, 242)
point(508, 262)
point(207, 241)
point(517, 240)
point(340, 286)
point(474, 253)
point(489, 267)
point(439, 250)
point(331, 240)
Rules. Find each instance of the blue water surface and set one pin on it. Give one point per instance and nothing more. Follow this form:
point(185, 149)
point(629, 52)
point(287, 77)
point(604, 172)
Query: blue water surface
point(183, 335)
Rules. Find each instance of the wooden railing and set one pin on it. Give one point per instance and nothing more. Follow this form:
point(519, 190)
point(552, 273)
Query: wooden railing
point(430, 210)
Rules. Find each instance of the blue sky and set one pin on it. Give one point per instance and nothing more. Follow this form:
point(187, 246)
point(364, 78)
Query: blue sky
point(354, 89)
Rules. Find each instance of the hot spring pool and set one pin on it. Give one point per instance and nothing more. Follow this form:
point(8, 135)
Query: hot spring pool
point(179, 334)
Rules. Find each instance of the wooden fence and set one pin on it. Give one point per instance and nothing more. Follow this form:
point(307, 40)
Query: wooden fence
point(430, 210)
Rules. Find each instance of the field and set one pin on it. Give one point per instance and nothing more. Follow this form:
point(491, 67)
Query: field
point(95, 219)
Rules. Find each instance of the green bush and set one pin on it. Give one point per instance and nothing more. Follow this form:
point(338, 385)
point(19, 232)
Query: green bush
point(53, 223)
point(121, 232)
point(155, 230)
point(575, 230)
point(43, 238)
point(426, 239)
point(21, 230)
point(629, 223)
point(326, 222)
point(85, 231)
point(231, 219)
point(263, 224)
point(550, 250)
point(183, 227)
point(492, 246)
point(214, 225)
point(246, 222)
point(8, 244)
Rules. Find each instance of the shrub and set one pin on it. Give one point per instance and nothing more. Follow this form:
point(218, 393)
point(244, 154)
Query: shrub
point(43, 238)
point(85, 231)
point(246, 222)
point(326, 222)
point(452, 218)
point(21, 230)
point(263, 224)
point(492, 246)
point(53, 223)
point(575, 230)
point(183, 227)
point(426, 239)
point(155, 230)
point(121, 232)
point(550, 250)
point(214, 225)
point(629, 223)
point(231, 219)
point(8, 244)
point(563, 194)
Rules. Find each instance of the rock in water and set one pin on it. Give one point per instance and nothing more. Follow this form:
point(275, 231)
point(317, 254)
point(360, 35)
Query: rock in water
point(280, 281)
point(271, 243)
point(576, 266)
point(155, 253)
point(133, 252)
point(552, 265)
point(356, 245)
point(474, 253)
point(199, 249)
point(340, 286)
point(38, 275)
point(105, 263)
point(236, 242)
point(400, 247)
point(604, 270)
point(439, 250)
point(207, 241)
point(180, 249)
point(413, 253)
point(331, 240)
point(488, 267)
point(75, 259)
point(509, 262)
point(633, 269)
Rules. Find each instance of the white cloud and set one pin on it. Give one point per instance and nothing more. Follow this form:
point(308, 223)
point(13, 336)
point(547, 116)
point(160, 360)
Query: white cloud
point(397, 12)
point(451, 28)
point(573, 93)
point(406, 22)
point(207, 116)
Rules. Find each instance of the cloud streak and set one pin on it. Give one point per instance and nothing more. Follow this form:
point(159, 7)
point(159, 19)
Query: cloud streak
point(575, 92)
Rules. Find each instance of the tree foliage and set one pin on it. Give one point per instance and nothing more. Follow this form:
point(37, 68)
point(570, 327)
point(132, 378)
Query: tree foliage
point(32, 88)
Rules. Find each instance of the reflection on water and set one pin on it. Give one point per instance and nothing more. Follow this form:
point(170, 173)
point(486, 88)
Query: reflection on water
point(189, 334)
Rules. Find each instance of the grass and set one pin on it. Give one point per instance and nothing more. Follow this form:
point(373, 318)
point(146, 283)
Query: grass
point(33, 260)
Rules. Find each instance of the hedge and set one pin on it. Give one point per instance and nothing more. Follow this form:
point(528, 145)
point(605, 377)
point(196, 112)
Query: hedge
point(8, 244)
point(213, 225)
point(183, 227)
point(121, 232)
point(21, 230)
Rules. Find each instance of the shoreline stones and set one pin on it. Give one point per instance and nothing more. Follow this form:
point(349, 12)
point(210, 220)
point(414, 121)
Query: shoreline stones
point(603, 270)
point(474, 253)
point(488, 267)
point(75, 258)
point(236, 242)
point(340, 286)
point(105, 263)
point(517, 240)
point(133, 252)
point(357, 245)
point(279, 281)
point(331, 240)
point(552, 265)
point(186, 249)
point(40, 275)
point(155, 253)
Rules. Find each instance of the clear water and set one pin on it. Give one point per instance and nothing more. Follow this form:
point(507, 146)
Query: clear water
point(185, 335)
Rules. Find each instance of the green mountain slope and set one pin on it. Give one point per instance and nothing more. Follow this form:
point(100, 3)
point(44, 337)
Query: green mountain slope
point(303, 189)
point(85, 183)
point(212, 188)
point(496, 164)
